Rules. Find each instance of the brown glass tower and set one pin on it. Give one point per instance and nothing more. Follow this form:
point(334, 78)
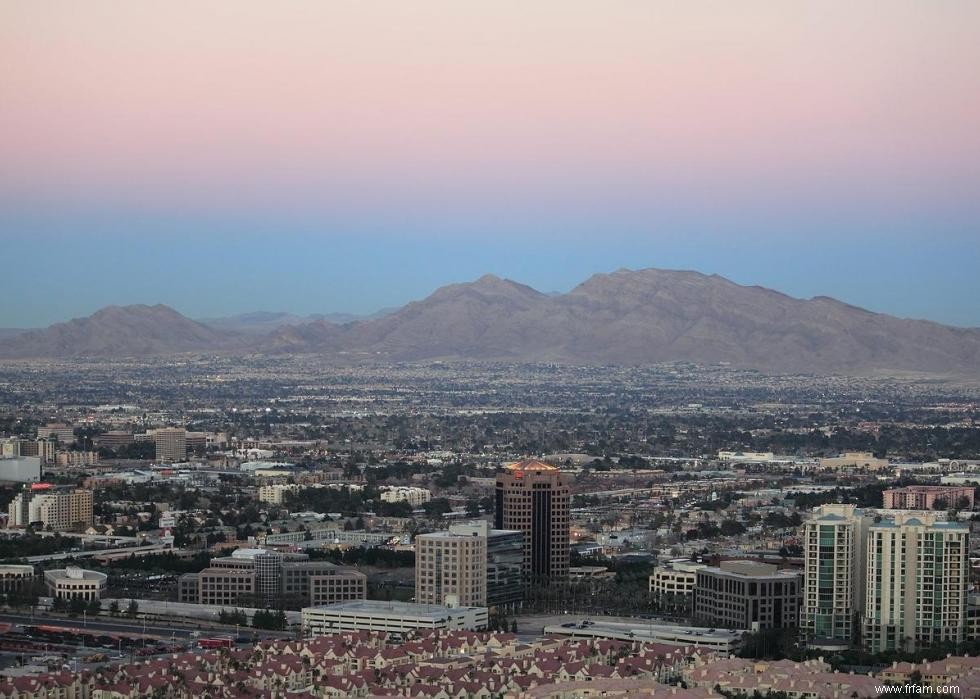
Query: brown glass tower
point(534, 497)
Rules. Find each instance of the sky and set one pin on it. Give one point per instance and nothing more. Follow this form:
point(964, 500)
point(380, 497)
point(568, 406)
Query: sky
point(333, 156)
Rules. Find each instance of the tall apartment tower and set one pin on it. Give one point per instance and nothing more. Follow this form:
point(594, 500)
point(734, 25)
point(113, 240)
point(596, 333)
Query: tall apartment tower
point(451, 566)
point(834, 579)
point(171, 444)
point(917, 577)
point(534, 498)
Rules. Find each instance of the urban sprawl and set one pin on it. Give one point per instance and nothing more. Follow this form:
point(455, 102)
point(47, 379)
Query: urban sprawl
point(287, 527)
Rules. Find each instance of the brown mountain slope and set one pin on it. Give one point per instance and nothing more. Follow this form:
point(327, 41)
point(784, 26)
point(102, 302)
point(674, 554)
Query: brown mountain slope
point(649, 316)
point(118, 331)
point(626, 317)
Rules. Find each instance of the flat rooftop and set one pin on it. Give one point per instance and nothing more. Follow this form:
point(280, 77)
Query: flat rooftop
point(381, 607)
point(644, 630)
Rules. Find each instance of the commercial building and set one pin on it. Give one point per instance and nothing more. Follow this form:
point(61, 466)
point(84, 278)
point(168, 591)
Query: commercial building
point(171, 444)
point(929, 497)
point(747, 595)
point(274, 494)
point(43, 448)
point(854, 459)
point(505, 568)
point(328, 536)
point(114, 439)
point(413, 496)
point(75, 583)
point(834, 576)
point(917, 583)
point(390, 617)
point(676, 577)
point(15, 577)
point(57, 509)
point(262, 577)
point(533, 497)
point(20, 469)
point(9, 447)
point(64, 434)
point(76, 458)
point(451, 566)
point(747, 456)
point(722, 640)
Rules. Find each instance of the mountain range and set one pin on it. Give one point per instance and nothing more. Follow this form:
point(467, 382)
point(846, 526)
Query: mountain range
point(625, 318)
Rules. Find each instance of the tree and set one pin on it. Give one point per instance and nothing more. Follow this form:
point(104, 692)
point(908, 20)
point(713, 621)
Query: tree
point(513, 626)
point(94, 607)
point(731, 527)
point(472, 508)
point(133, 609)
point(76, 606)
point(114, 608)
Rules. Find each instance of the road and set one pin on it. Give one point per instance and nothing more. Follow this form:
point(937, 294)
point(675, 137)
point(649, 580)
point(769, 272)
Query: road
point(99, 625)
point(182, 632)
point(123, 551)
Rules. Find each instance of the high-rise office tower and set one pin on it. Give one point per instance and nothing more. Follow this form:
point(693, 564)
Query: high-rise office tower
point(533, 497)
point(834, 542)
point(918, 571)
point(171, 444)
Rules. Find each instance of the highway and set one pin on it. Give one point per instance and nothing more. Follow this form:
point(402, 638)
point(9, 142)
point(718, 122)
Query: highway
point(165, 631)
point(124, 551)
point(113, 626)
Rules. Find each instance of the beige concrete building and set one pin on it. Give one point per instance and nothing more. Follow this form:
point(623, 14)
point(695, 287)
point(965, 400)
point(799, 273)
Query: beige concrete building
point(533, 497)
point(57, 509)
point(77, 458)
point(171, 444)
point(75, 583)
point(451, 566)
point(64, 434)
point(390, 617)
point(274, 494)
point(675, 578)
point(254, 577)
point(413, 496)
point(14, 577)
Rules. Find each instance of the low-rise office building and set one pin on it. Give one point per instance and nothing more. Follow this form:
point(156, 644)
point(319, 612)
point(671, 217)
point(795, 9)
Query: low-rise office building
point(412, 495)
point(676, 577)
point(391, 617)
point(260, 577)
point(854, 459)
point(15, 577)
point(747, 595)
point(75, 583)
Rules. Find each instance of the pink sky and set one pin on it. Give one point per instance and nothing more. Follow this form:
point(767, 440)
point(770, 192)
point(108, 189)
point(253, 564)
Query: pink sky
point(318, 104)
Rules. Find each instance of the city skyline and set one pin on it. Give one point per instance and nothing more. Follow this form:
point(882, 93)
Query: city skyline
point(321, 158)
